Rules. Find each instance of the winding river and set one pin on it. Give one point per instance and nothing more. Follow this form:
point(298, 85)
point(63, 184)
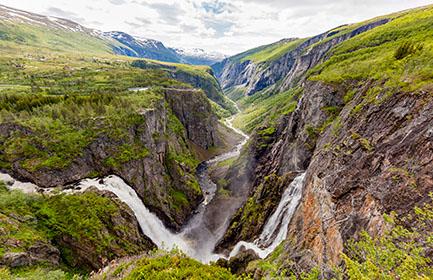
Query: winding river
point(198, 238)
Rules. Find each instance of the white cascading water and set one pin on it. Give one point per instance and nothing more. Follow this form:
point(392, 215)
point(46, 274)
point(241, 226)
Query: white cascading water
point(275, 230)
point(13, 184)
point(195, 240)
point(150, 224)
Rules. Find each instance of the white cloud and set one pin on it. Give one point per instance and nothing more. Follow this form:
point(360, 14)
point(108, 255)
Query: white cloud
point(216, 25)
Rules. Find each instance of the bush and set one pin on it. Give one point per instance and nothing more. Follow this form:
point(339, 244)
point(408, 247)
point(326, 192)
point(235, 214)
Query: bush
point(406, 49)
point(400, 253)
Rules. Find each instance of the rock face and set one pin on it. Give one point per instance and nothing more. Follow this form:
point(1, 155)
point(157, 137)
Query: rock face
point(378, 161)
point(207, 82)
point(156, 176)
point(290, 68)
point(145, 48)
point(27, 240)
point(124, 228)
point(190, 106)
point(365, 164)
point(362, 158)
point(37, 253)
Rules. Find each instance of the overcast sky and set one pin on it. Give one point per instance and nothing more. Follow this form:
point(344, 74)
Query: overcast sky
point(215, 25)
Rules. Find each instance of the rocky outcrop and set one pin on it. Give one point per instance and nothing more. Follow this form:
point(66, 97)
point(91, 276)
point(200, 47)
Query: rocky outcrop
point(360, 164)
point(379, 160)
point(121, 225)
point(190, 106)
point(155, 176)
point(29, 239)
point(277, 155)
point(205, 81)
point(38, 253)
point(289, 69)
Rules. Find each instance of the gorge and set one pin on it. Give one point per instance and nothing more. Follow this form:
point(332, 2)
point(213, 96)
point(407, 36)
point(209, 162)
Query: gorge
point(308, 158)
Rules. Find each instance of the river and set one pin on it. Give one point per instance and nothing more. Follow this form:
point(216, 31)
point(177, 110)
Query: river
point(199, 236)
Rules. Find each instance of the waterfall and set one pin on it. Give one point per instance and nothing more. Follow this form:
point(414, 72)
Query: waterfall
point(196, 239)
point(275, 230)
point(13, 184)
point(150, 224)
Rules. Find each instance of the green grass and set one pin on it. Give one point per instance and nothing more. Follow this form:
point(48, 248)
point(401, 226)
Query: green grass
point(87, 218)
point(273, 51)
point(372, 55)
point(14, 35)
point(260, 108)
point(175, 265)
point(67, 102)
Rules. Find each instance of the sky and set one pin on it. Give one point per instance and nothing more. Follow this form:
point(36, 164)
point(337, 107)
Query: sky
point(225, 26)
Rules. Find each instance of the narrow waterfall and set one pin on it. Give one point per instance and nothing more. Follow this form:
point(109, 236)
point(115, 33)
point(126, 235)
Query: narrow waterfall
point(195, 240)
point(275, 230)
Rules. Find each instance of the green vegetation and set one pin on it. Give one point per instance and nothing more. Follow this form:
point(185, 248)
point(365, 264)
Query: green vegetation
point(37, 273)
point(194, 76)
point(28, 219)
point(126, 153)
point(235, 93)
point(400, 253)
point(390, 53)
point(17, 35)
point(62, 104)
point(163, 265)
point(175, 265)
point(407, 48)
point(261, 108)
point(274, 51)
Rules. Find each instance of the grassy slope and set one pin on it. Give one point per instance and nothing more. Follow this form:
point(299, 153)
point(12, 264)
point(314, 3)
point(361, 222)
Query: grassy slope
point(274, 51)
point(371, 55)
point(69, 96)
point(70, 89)
point(368, 56)
point(28, 219)
point(165, 265)
point(15, 35)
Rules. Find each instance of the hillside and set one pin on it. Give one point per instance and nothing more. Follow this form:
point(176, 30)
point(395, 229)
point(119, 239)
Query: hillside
point(21, 27)
point(70, 110)
point(351, 109)
point(114, 166)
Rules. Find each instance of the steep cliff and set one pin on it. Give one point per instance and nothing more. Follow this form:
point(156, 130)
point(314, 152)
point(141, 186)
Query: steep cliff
point(282, 70)
point(203, 79)
point(360, 128)
point(79, 231)
point(152, 154)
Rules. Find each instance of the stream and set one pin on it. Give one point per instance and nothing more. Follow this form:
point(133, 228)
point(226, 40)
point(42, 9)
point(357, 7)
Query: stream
point(199, 236)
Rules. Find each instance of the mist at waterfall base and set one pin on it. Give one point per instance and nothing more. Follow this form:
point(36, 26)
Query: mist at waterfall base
point(196, 240)
point(274, 232)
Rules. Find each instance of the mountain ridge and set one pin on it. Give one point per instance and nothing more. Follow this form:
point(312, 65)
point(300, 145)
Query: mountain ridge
point(120, 42)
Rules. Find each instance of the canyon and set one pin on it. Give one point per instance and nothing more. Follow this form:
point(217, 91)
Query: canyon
point(271, 163)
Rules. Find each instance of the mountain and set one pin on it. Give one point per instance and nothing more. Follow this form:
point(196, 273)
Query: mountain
point(74, 115)
point(198, 56)
point(105, 158)
point(144, 48)
point(152, 49)
point(73, 36)
point(20, 30)
point(350, 111)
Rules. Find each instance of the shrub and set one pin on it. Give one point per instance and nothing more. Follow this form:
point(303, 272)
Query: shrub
point(400, 253)
point(406, 49)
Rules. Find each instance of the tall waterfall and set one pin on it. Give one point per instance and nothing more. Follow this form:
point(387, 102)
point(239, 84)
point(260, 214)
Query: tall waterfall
point(195, 240)
point(275, 230)
point(150, 224)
